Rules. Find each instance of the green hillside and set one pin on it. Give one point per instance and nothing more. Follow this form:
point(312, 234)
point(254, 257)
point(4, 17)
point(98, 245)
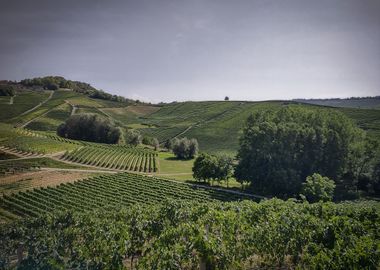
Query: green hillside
point(358, 103)
point(216, 124)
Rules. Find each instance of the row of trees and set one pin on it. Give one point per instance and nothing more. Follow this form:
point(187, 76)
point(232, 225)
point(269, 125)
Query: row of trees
point(89, 127)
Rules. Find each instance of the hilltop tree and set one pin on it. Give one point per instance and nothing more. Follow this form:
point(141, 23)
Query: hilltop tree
point(226, 98)
point(89, 127)
point(279, 149)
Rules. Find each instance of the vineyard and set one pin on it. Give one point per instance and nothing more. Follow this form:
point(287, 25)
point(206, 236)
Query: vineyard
point(273, 234)
point(115, 157)
point(105, 191)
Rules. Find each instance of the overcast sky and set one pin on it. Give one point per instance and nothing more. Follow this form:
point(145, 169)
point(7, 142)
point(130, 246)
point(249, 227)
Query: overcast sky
point(165, 50)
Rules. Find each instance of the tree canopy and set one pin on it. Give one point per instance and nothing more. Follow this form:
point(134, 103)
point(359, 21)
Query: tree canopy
point(7, 90)
point(89, 127)
point(318, 188)
point(210, 167)
point(185, 148)
point(279, 149)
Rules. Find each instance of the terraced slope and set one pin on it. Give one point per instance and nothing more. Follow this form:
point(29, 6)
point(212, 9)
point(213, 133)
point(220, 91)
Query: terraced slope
point(115, 157)
point(105, 191)
point(217, 125)
point(23, 102)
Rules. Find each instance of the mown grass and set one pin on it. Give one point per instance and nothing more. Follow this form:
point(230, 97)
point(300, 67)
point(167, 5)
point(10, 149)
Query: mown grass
point(181, 170)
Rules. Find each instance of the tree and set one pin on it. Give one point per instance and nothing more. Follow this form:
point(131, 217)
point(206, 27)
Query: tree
point(133, 137)
point(169, 144)
point(204, 168)
point(185, 148)
point(226, 98)
point(89, 127)
point(7, 90)
point(280, 148)
point(209, 168)
point(318, 188)
point(224, 169)
point(155, 144)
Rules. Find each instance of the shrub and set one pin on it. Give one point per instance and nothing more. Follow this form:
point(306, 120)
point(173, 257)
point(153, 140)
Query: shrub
point(318, 188)
point(7, 90)
point(89, 127)
point(133, 137)
point(185, 148)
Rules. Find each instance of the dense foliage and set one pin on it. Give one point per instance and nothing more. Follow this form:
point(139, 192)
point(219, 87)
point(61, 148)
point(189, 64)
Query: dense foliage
point(133, 137)
point(7, 90)
point(210, 167)
point(89, 127)
point(279, 149)
point(177, 235)
point(185, 148)
point(318, 188)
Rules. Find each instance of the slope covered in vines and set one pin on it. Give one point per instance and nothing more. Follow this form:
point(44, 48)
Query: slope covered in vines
point(178, 235)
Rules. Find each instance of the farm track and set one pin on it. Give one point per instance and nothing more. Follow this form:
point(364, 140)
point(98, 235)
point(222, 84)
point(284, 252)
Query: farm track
point(39, 105)
point(76, 170)
point(73, 107)
point(11, 100)
point(38, 117)
point(22, 155)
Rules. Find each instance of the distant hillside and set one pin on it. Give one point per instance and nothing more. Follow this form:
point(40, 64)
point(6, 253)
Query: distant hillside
point(58, 82)
point(354, 102)
point(217, 125)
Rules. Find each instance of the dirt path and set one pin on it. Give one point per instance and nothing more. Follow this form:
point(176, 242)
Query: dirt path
point(11, 100)
point(75, 170)
point(38, 117)
point(20, 154)
point(39, 105)
point(73, 107)
point(41, 178)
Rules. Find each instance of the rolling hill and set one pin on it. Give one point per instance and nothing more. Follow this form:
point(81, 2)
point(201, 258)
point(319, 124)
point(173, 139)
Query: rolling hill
point(216, 125)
